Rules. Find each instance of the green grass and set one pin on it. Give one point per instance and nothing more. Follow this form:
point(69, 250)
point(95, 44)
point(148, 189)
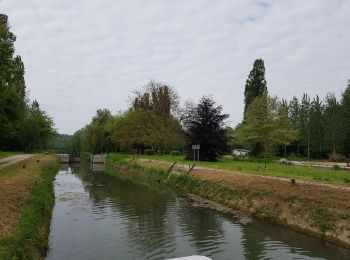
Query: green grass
point(30, 241)
point(4, 154)
point(256, 166)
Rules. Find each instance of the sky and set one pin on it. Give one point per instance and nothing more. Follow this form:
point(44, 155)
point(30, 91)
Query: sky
point(84, 55)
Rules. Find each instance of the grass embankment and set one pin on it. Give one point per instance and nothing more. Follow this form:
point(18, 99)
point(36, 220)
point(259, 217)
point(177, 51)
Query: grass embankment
point(274, 168)
point(314, 209)
point(26, 202)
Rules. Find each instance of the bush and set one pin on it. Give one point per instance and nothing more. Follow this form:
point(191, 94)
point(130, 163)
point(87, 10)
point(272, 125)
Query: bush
point(336, 167)
point(150, 152)
point(174, 152)
point(337, 158)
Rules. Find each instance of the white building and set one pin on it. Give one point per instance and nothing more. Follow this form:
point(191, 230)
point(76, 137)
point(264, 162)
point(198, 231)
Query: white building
point(241, 152)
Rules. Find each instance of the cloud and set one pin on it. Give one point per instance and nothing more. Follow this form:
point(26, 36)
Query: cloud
point(84, 55)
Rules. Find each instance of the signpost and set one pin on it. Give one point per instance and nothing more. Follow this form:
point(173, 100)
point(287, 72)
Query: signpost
point(196, 147)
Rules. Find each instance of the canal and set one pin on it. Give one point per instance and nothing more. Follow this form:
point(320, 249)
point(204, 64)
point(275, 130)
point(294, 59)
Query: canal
point(97, 216)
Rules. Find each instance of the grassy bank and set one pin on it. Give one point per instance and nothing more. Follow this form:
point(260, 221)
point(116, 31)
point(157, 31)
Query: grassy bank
point(318, 210)
point(26, 203)
point(255, 166)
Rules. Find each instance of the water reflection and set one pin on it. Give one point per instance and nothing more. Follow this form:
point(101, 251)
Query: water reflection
point(99, 216)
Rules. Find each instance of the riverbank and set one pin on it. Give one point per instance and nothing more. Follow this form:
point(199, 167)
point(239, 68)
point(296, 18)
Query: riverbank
point(317, 210)
point(26, 202)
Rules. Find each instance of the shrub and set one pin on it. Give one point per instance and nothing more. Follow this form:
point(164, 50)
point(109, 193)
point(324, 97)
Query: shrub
point(174, 152)
point(149, 151)
point(336, 167)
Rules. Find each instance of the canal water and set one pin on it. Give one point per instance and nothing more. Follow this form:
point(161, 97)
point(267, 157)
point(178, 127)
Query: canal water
point(97, 216)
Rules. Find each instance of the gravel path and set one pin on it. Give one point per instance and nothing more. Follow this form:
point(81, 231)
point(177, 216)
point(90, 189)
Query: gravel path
point(7, 161)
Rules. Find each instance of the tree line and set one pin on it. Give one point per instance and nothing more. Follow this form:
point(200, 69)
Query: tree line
point(156, 122)
point(307, 127)
point(23, 125)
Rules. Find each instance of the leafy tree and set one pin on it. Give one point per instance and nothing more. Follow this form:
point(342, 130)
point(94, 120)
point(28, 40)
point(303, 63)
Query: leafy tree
point(267, 124)
point(256, 84)
point(78, 143)
point(22, 125)
point(97, 135)
point(12, 89)
point(141, 129)
point(156, 97)
point(206, 127)
point(36, 129)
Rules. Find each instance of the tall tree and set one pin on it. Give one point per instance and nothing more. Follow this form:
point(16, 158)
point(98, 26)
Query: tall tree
point(305, 123)
point(12, 89)
point(316, 127)
point(345, 121)
point(206, 127)
point(294, 116)
point(255, 85)
point(332, 118)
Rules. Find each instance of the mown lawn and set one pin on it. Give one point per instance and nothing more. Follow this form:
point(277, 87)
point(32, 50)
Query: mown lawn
point(254, 166)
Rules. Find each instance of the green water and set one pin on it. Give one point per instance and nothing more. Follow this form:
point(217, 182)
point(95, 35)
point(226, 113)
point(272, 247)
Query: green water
point(97, 216)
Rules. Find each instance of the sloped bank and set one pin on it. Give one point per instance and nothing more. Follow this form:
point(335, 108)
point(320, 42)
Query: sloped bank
point(26, 202)
point(307, 213)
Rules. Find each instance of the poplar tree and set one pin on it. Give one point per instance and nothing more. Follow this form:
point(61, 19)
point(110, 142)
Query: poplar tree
point(345, 121)
point(316, 127)
point(255, 85)
point(332, 118)
point(294, 116)
point(305, 123)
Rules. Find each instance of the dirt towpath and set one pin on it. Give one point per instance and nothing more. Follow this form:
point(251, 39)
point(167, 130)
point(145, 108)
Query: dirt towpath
point(219, 175)
point(7, 161)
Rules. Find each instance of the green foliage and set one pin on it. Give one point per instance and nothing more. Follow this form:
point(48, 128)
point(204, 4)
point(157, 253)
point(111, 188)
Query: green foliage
point(175, 152)
point(256, 84)
point(156, 97)
point(345, 122)
point(150, 152)
point(205, 126)
point(267, 125)
point(36, 128)
point(22, 126)
point(98, 137)
point(322, 219)
point(336, 167)
point(60, 143)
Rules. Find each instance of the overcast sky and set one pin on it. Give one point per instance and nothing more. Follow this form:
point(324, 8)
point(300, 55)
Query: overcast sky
point(83, 55)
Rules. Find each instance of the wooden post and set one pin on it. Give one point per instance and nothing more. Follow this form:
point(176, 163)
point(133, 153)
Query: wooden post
point(171, 167)
point(191, 169)
point(293, 183)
